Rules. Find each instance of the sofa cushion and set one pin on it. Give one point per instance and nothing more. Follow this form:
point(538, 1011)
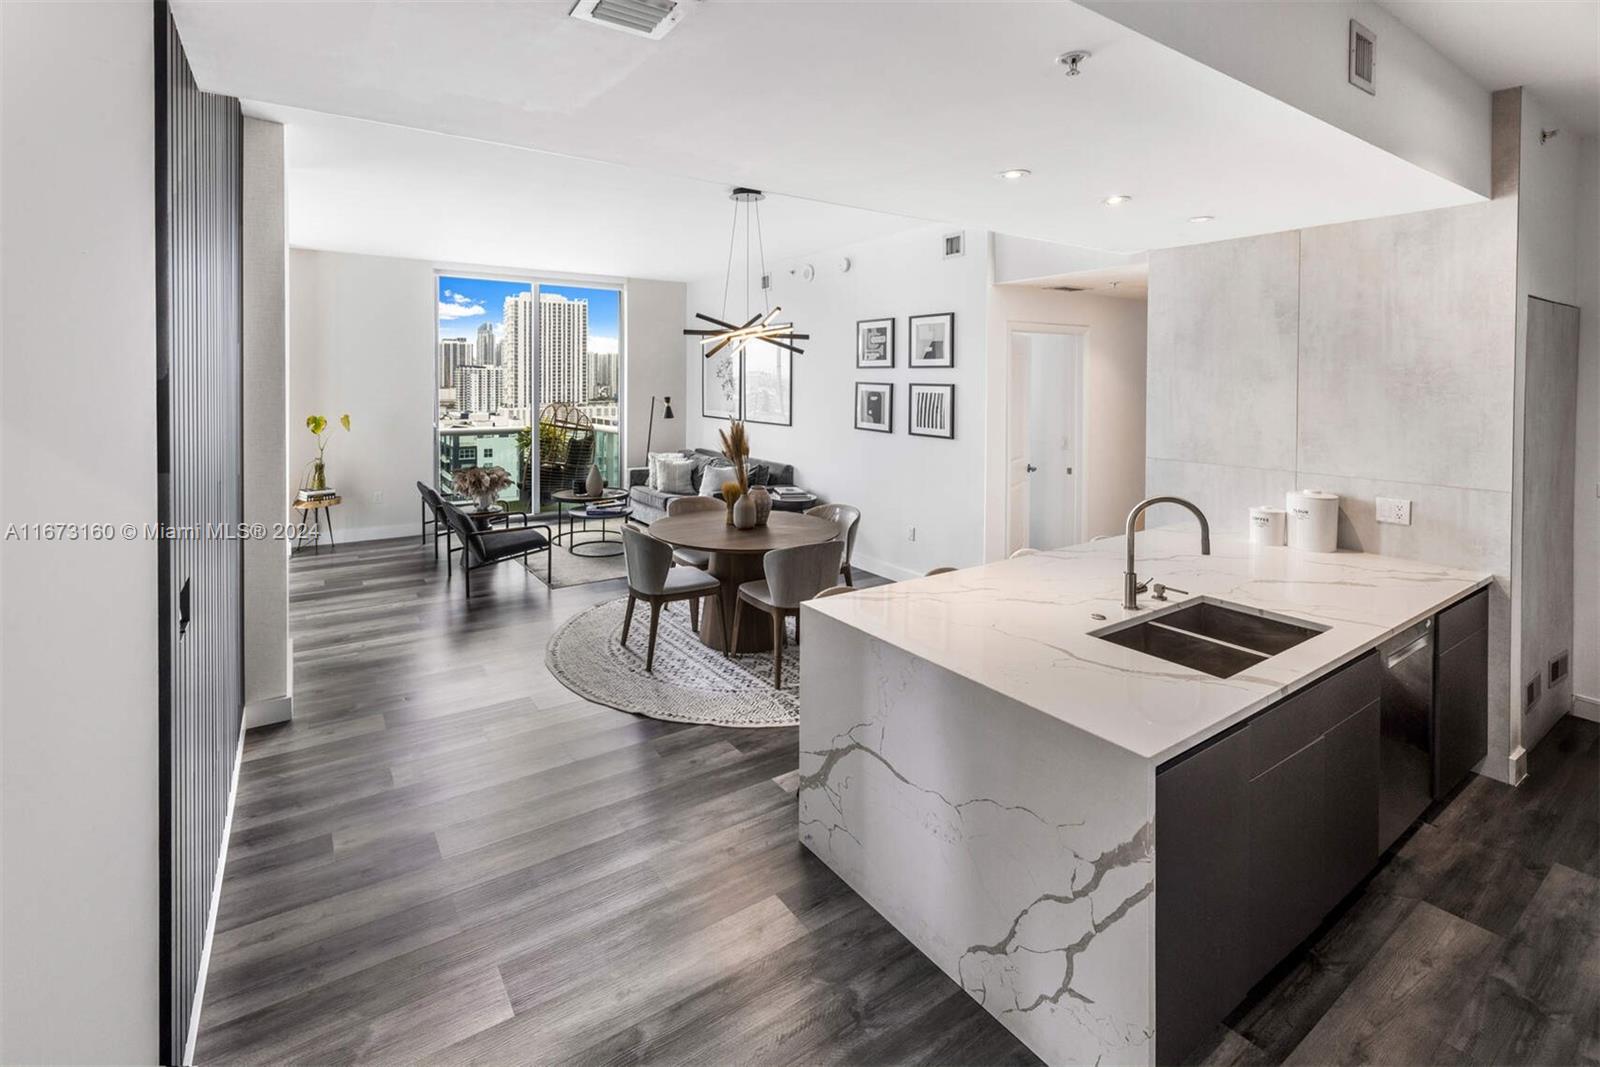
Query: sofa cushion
point(653, 498)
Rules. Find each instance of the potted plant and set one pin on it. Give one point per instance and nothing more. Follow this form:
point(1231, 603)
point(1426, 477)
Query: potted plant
point(482, 484)
point(318, 425)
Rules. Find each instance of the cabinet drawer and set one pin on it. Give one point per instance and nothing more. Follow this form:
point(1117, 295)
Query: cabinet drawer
point(1280, 732)
point(1463, 620)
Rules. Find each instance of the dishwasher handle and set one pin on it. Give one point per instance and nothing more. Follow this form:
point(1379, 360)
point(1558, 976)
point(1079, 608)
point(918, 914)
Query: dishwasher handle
point(1393, 656)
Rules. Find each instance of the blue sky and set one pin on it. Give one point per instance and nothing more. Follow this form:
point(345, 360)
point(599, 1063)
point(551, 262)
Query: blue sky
point(467, 303)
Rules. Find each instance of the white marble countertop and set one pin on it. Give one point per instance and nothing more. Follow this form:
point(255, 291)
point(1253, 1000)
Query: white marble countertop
point(1022, 628)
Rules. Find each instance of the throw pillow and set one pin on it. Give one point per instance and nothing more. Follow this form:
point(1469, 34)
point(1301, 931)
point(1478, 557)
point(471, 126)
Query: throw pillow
point(713, 476)
point(675, 475)
point(757, 473)
point(652, 463)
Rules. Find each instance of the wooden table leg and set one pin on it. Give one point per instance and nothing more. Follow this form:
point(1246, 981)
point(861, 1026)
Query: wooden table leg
point(733, 569)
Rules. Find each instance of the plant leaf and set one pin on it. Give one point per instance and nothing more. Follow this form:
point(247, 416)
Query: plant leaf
point(344, 420)
point(316, 423)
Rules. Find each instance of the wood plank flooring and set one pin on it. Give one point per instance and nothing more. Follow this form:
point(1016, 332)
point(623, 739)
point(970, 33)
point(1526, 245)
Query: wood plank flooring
point(448, 858)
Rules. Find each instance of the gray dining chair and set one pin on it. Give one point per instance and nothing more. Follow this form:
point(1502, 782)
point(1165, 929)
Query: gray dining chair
point(849, 518)
point(687, 505)
point(653, 579)
point(1019, 553)
point(939, 570)
point(794, 575)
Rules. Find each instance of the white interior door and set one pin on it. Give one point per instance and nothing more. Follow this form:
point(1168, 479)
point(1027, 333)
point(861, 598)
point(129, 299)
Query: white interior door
point(1044, 437)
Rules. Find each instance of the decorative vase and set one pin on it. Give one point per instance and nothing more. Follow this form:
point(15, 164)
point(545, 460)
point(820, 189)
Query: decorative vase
point(485, 500)
point(744, 512)
point(729, 516)
point(319, 475)
point(763, 502)
point(594, 484)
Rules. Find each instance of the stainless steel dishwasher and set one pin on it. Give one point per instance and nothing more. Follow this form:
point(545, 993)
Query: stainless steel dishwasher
point(1405, 755)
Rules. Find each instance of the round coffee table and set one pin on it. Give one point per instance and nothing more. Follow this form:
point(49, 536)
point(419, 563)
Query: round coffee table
point(613, 544)
point(581, 502)
point(736, 559)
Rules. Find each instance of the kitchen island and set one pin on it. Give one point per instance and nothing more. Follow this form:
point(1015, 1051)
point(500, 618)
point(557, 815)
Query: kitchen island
point(979, 757)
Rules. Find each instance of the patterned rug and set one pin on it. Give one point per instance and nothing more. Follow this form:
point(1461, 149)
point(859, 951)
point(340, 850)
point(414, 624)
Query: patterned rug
point(690, 683)
point(571, 568)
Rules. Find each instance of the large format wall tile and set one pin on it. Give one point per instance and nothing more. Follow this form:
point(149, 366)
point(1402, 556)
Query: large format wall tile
point(1407, 326)
point(1225, 494)
point(1222, 332)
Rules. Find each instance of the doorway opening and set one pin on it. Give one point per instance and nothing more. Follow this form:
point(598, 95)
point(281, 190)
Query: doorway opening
point(1044, 437)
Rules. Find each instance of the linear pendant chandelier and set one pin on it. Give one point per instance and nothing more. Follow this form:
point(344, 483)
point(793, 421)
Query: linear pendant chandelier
point(759, 326)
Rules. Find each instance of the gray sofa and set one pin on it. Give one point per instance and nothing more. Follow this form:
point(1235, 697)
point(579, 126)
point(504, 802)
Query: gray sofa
point(651, 504)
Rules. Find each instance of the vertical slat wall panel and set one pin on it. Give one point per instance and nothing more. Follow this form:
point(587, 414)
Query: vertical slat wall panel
point(198, 389)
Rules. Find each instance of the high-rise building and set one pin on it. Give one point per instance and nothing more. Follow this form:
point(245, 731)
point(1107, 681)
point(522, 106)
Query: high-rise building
point(602, 376)
point(454, 352)
point(555, 328)
point(487, 354)
point(479, 389)
point(516, 349)
point(563, 349)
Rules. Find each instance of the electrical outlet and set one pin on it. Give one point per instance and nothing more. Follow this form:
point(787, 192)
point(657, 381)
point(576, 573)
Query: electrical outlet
point(377, 497)
point(911, 533)
point(1394, 511)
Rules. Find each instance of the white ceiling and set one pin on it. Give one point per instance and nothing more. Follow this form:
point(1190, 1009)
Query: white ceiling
point(907, 108)
point(358, 186)
point(1550, 47)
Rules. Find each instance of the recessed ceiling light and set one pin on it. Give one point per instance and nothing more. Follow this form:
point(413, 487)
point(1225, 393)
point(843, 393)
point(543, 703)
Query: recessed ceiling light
point(1120, 198)
point(1015, 174)
point(1202, 218)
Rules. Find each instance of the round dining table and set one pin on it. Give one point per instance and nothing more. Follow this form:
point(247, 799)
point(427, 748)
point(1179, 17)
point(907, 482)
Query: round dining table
point(735, 557)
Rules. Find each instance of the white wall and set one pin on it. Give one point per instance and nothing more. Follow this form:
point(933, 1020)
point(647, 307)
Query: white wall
point(1113, 461)
point(1547, 267)
point(361, 340)
point(897, 480)
point(1586, 535)
point(79, 937)
point(654, 314)
point(1427, 110)
point(267, 663)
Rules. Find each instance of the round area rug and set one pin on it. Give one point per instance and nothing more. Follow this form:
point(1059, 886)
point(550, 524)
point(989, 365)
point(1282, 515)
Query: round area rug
point(690, 683)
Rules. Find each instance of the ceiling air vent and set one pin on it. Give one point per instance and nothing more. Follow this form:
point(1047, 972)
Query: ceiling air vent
point(1363, 57)
point(642, 18)
point(955, 244)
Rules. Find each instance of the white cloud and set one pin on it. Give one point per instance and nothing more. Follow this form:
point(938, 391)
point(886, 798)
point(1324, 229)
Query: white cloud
point(603, 344)
point(461, 309)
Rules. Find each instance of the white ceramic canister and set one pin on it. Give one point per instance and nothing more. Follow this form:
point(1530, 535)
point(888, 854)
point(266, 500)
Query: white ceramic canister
point(1267, 525)
point(1313, 520)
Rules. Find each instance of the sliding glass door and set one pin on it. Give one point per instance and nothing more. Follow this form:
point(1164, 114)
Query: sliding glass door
point(529, 381)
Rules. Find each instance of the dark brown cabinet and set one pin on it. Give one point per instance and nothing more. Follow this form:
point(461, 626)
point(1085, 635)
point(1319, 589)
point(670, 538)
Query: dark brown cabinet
point(1202, 858)
point(1461, 692)
point(1259, 834)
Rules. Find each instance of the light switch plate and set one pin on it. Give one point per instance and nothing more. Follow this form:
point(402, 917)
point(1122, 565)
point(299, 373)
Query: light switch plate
point(1394, 511)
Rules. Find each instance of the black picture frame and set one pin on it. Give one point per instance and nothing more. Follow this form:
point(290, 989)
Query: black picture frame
point(888, 407)
point(944, 359)
point(916, 415)
point(862, 363)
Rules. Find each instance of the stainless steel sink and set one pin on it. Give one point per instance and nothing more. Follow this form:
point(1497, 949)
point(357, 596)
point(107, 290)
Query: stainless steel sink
point(1211, 636)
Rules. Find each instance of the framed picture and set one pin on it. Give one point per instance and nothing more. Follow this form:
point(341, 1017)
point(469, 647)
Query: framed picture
point(933, 341)
point(875, 407)
point(767, 384)
point(933, 411)
point(875, 343)
point(720, 385)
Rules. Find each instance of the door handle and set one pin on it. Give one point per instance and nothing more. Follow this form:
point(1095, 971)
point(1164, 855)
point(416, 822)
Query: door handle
point(1031, 468)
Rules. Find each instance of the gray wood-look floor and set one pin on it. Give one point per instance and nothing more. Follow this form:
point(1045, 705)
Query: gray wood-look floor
point(447, 857)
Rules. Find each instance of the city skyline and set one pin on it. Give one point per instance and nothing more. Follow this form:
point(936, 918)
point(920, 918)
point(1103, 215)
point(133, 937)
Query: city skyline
point(466, 303)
